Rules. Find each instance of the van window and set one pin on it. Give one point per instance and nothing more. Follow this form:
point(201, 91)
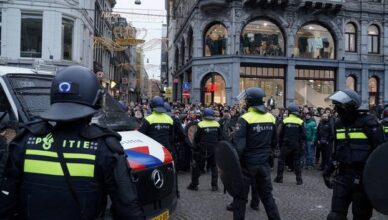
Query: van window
point(32, 92)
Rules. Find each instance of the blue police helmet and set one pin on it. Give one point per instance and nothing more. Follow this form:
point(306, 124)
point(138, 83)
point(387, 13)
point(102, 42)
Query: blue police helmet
point(157, 104)
point(167, 107)
point(208, 113)
point(293, 109)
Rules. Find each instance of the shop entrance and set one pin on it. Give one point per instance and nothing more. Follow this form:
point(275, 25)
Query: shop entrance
point(213, 89)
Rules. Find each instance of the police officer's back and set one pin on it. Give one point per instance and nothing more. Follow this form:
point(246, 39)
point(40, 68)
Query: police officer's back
point(357, 134)
point(291, 142)
point(206, 137)
point(254, 139)
point(64, 171)
point(159, 125)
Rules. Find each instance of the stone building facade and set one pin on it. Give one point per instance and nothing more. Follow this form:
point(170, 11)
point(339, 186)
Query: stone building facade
point(296, 50)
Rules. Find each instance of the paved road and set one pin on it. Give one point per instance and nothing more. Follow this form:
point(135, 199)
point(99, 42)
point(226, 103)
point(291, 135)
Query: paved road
point(310, 201)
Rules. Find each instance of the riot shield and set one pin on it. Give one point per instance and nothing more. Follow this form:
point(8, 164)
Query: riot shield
point(191, 129)
point(375, 178)
point(229, 167)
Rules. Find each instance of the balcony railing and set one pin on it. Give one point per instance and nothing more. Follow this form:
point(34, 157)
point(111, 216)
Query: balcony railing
point(213, 4)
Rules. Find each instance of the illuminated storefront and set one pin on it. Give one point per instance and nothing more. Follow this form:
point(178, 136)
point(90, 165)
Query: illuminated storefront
point(213, 89)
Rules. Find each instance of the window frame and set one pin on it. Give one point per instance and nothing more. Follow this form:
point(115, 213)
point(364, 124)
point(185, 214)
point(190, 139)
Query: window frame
point(372, 38)
point(38, 15)
point(70, 20)
point(348, 36)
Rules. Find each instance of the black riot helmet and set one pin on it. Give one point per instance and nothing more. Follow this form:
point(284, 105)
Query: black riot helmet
point(346, 103)
point(346, 99)
point(75, 94)
point(293, 109)
point(254, 97)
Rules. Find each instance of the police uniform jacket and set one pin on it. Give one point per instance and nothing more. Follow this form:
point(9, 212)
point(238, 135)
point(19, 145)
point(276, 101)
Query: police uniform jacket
point(208, 134)
point(354, 142)
point(255, 137)
point(96, 164)
point(159, 126)
point(292, 133)
point(385, 127)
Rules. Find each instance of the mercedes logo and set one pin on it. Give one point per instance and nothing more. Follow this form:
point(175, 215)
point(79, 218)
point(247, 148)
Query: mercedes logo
point(157, 178)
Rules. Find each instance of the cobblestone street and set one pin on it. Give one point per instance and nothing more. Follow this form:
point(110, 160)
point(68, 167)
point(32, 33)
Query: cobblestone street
point(311, 201)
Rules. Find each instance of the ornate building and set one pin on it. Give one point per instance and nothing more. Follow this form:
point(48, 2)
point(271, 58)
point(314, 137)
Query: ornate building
point(296, 50)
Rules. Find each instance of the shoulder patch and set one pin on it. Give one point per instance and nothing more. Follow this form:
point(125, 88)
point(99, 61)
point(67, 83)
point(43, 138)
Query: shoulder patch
point(39, 127)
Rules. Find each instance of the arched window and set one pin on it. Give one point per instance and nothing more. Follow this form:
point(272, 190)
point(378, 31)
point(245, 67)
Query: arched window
point(262, 37)
point(176, 59)
point(351, 83)
point(314, 41)
point(183, 52)
point(373, 39)
point(373, 92)
point(190, 46)
point(350, 37)
point(215, 40)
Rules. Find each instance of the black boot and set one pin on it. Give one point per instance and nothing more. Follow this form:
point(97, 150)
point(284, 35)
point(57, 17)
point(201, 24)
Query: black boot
point(278, 179)
point(192, 187)
point(230, 207)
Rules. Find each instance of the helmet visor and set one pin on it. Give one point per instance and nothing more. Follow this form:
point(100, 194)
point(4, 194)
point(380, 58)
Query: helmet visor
point(339, 97)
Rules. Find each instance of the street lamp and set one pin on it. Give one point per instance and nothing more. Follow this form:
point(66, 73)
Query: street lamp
point(138, 2)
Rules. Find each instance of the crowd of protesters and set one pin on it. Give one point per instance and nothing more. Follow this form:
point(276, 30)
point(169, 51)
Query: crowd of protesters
point(317, 121)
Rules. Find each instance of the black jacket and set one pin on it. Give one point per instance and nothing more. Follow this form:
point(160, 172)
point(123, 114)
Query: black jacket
point(255, 137)
point(97, 166)
point(206, 137)
point(325, 132)
point(292, 133)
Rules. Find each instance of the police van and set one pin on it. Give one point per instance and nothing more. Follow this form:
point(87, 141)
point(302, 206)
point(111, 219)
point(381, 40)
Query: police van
point(25, 93)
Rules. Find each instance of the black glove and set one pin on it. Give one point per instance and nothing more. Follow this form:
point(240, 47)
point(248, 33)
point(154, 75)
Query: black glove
point(328, 182)
point(329, 170)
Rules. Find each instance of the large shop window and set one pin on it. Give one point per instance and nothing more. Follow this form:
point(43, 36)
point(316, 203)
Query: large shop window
point(314, 41)
point(373, 39)
point(270, 79)
point(313, 86)
point(350, 37)
point(67, 36)
point(31, 35)
point(373, 92)
point(215, 40)
point(262, 37)
point(213, 89)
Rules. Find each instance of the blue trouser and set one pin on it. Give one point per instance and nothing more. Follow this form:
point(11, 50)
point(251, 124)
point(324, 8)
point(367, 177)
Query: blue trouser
point(310, 153)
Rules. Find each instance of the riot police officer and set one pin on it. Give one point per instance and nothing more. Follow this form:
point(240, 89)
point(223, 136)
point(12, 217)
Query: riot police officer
point(291, 142)
point(208, 133)
point(63, 169)
point(254, 140)
point(384, 122)
point(357, 134)
point(159, 125)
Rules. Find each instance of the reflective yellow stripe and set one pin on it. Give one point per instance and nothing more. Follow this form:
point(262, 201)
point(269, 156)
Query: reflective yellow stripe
point(292, 119)
point(208, 124)
point(254, 117)
point(43, 167)
point(55, 169)
point(79, 169)
point(159, 118)
point(79, 156)
point(352, 135)
point(42, 153)
point(340, 130)
point(65, 155)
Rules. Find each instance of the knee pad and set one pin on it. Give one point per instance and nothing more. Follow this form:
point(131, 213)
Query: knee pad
point(336, 216)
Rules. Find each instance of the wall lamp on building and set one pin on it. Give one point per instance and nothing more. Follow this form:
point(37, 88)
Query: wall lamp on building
point(138, 2)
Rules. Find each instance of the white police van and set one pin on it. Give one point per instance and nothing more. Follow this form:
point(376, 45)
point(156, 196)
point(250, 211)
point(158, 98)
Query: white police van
point(25, 93)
